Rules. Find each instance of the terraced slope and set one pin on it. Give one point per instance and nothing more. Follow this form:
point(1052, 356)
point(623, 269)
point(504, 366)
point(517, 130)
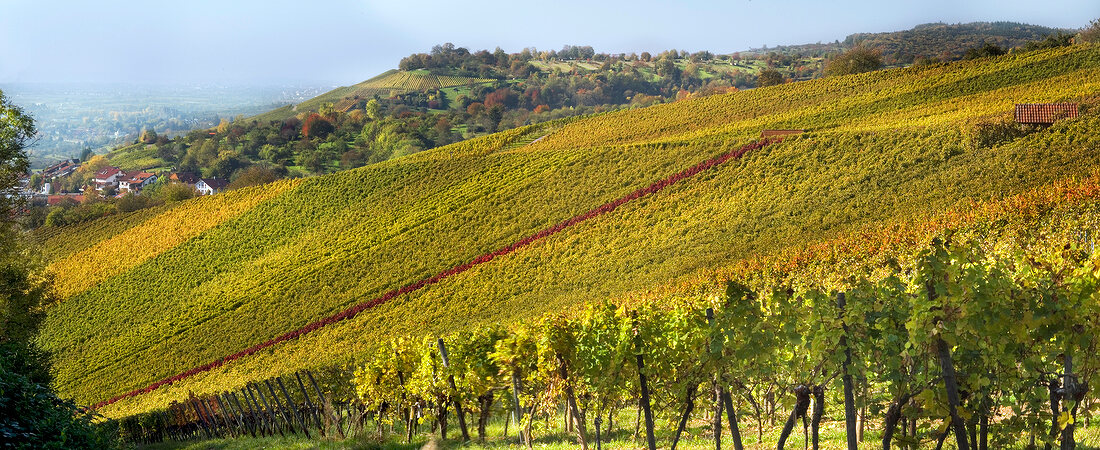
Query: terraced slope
point(882, 147)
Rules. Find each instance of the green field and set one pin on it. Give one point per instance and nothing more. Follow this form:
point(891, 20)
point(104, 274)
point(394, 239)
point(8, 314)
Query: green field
point(882, 147)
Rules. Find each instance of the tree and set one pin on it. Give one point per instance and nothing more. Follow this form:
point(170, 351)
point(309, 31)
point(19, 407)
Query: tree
point(148, 136)
point(31, 415)
point(769, 77)
point(317, 126)
point(857, 60)
point(374, 109)
point(254, 175)
point(986, 50)
point(1090, 34)
point(16, 130)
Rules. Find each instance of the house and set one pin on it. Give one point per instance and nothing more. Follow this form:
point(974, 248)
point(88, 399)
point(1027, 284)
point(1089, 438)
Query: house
point(134, 181)
point(1045, 113)
point(184, 177)
point(107, 177)
point(61, 169)
point(53, 200)
point(208, 186)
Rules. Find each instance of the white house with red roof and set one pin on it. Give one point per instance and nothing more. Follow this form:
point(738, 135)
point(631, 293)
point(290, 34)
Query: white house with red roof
point(107, 177)
point(134, 181)
point(208, 186)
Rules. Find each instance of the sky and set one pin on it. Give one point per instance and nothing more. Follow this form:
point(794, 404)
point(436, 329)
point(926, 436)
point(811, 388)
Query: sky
point(341, 42)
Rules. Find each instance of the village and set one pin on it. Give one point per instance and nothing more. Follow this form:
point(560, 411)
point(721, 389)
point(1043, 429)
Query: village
point(109, 182)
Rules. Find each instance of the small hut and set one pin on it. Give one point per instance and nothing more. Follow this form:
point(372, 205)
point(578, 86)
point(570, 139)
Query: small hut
point(1044, 113)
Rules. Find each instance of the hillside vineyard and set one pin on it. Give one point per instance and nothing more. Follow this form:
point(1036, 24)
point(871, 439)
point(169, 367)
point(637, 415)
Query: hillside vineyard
point(882, 148)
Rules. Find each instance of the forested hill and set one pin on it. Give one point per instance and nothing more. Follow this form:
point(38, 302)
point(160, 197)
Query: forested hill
point(928, 42)
point(542, 219)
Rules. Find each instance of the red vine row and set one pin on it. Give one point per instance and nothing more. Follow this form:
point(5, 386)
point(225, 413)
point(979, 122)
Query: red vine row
point(484, 258)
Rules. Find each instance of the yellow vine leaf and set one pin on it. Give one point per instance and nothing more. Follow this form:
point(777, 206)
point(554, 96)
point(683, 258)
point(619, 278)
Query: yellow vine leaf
point(1064, 420)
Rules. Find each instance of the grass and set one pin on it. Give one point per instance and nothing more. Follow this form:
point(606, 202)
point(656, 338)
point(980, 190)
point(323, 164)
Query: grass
point(552, 436)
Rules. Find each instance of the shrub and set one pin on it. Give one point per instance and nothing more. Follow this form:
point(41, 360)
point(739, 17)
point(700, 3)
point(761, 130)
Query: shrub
point(996, 132)
point(174, 192)
point(986, 50)
point(857, 60)
point(769, 77)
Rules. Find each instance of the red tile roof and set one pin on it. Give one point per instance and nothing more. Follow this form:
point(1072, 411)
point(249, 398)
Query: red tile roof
point(136, 176)
point(1045, 113)
point(184, 177)
point(55, 199)
point(106, 172)
point(216, 183)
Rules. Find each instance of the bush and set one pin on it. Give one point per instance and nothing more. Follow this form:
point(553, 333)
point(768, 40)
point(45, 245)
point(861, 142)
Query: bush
point(769, 77)
point(996, 132)
point(1052, 41)
point(174, 192)
point(31, 415)
point(131, 202)
point(857, 60)
point(986, 50)
point(255, 175)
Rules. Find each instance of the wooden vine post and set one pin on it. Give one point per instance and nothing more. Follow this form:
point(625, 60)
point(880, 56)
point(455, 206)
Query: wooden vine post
point(596, 422)
point(254, 406)
point(294, 407)
point(235, 424)
point(454, 391)
point(267, 407)
point(651, 440)
point(515, 400)
point(947, 367)
point(849, 393)
point(723, 399)
point(322, 402)
point(201, 418)
point(279, 406)
point(573, 415)
point(248, 421)
point(313, 411)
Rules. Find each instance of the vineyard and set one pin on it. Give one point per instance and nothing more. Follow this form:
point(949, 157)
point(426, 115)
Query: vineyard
point(386, 84)
point(1002, 310)
point(394, 82)
point(884, 148)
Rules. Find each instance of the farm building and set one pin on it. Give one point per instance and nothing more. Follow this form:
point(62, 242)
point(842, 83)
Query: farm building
point(1044, 113)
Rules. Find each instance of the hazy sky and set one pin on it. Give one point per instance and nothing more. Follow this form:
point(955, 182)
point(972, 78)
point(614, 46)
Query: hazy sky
point(346, 41)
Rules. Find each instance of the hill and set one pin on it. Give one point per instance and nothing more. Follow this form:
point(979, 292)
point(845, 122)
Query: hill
point(937, 41)
point(932, 41)
point(141, 305)
point(387, 84)
point(452, 94)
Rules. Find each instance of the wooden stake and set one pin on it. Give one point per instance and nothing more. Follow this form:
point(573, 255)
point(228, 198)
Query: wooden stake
point(454, 391)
